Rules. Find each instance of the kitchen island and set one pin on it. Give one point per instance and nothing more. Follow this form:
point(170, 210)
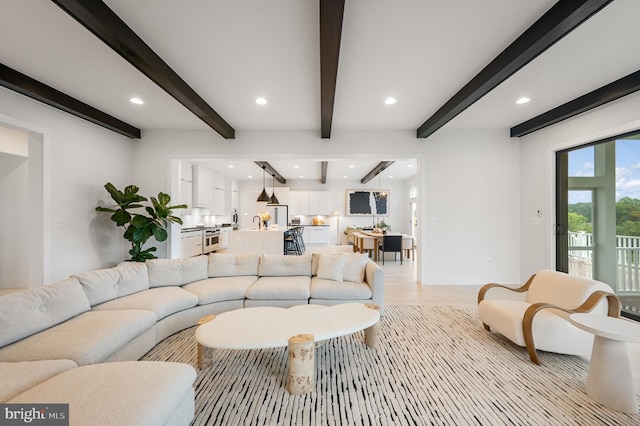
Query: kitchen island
point(253, 240)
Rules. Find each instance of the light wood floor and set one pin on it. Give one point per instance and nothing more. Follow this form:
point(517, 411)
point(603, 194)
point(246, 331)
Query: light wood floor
point(401, 288)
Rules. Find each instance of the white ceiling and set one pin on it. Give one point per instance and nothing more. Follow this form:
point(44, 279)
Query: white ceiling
point(230, 52)
point(305, 169)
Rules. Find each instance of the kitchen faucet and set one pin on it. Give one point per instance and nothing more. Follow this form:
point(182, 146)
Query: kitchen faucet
point(254, 220)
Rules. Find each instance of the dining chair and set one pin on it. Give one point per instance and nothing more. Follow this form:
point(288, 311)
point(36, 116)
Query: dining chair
point(408, 245)
point(391, 243)
point(368, 245)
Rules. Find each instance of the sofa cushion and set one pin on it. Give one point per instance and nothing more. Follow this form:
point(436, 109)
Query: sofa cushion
point(552, 330)
point(283, 288)
point(99, 285)
point(18, 377)
point(232, 265)
point(24, 313)
point(134, 277)
point(334, 290)
point(142, 393)
point(330, 267)
point(221, 289)
point(176, 272)
point(275, 265)
point(355, 266)
point(103, 285)
point(88, 338)
point(162, 301)
point(565, 290)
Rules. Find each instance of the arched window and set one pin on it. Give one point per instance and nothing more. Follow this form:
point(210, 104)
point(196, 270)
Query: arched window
point(413, 192)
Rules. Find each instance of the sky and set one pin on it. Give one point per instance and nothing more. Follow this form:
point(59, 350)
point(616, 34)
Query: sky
point(627, 170)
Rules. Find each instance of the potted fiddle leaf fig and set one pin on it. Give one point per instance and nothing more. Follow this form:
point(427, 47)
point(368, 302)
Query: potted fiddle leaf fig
point(139, 227)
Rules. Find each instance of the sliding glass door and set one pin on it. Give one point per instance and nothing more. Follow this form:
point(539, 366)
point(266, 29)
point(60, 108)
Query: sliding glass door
point(598, 216)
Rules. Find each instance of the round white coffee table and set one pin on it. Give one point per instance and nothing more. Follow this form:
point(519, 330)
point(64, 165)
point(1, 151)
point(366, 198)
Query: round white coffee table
point(298, 328)
point(610, 381)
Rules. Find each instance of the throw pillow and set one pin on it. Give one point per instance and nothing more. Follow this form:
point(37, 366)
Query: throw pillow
point(330, 267)
point(354, 267)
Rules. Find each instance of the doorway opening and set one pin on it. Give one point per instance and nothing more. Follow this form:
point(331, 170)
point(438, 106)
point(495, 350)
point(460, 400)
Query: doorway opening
point(22, 234)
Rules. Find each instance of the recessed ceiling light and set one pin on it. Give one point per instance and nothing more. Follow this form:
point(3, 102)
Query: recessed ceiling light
point(231, 166)
point(522, 101)
point(261, 101)
point(390, 101)
point(351, 166)
point(345, 176)
point(296, 166)
point(136, 101)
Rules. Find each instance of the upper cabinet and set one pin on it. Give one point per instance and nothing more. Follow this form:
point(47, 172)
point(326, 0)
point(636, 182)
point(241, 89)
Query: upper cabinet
point(186, 186)
point(309, 203)
point(208, 190)
point(319, 203)
point(283, 194)
point(235, 196)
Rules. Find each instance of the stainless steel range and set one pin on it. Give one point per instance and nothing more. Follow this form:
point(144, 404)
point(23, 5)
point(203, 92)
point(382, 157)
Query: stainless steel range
point(210, 240)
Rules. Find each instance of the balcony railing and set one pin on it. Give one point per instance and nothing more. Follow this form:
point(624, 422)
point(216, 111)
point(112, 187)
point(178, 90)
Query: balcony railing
point(581, 247)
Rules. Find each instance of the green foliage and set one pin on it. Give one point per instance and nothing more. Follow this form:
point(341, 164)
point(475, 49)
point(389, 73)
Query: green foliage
point(382, 225)
point(629, 228)
point(583, 209)
point(627, 217)
point(578, 223)
point(140, 227)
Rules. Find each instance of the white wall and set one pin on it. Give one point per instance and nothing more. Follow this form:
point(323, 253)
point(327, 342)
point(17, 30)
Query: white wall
point(469, 180)
point(468, 184)
point(537, 163)
point(470, 193)
point(79, 158)
point(160, 147)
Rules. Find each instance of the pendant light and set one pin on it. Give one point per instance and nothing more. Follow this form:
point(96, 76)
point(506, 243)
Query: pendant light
point(380, 194)
point(274, 199)
point(263, 197)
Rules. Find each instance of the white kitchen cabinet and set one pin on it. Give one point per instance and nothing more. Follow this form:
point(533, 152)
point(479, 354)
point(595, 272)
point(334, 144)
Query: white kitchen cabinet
point(191, 243)
point(186, 186)
point(299, 203)
point(208, 190)
point(319, 203)
point(283, 194)
point(235, 195)
point(310, 203)
point(316, 235)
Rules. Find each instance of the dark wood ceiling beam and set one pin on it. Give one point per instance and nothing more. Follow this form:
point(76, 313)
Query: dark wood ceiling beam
point(605, 94)
point(376, 171)
point(556, 23)
point(25, 85)
point(331, 13)
point(272, 172)
point(98, 18)
point(324, 165)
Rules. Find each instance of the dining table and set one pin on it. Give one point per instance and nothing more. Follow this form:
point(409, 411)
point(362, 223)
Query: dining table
point(378, 239)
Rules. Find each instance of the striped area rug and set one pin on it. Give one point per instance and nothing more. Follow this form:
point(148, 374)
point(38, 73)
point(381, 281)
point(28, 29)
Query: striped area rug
point(436, 366)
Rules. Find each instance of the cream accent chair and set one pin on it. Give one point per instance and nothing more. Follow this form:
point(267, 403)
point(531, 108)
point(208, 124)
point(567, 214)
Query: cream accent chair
point(541, 320)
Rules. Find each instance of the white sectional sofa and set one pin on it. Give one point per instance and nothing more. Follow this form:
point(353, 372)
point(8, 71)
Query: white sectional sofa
point(91, 325)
